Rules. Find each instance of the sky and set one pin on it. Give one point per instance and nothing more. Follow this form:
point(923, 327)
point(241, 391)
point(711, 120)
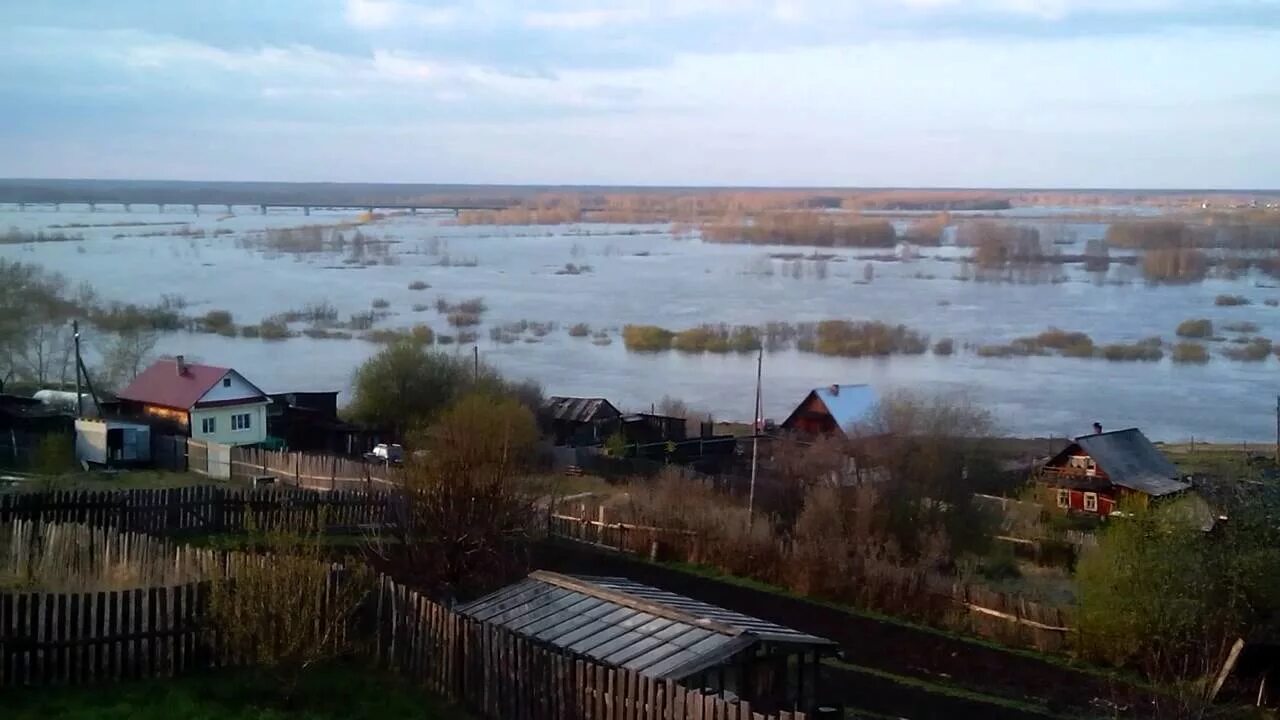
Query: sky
point(902, 93)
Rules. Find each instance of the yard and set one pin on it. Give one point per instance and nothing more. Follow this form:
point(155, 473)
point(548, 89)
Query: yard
point(337, 692)
point(102, 480)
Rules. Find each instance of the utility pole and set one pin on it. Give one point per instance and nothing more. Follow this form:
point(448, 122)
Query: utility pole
point(475, 363)
point(75, 331)
point(755, 441)
point(1278, 429)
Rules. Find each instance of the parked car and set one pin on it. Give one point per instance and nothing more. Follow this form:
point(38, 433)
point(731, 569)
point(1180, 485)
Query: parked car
point(387, 453)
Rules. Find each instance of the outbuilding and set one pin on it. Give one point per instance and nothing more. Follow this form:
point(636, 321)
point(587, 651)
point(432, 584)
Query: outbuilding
point(662, 635)
point(112, 442)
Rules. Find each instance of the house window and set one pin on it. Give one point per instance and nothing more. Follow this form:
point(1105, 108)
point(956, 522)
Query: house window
point(226, 382)
point(209, 425)
point(240, 421)
point(1091, 502)
point(1064, 498)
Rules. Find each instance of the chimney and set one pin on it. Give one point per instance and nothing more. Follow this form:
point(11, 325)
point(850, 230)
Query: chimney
point(1097, 428)
point(835, 389)
point(182, 364)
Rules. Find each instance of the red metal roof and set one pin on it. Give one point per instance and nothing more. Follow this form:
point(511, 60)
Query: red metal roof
point(161, 384)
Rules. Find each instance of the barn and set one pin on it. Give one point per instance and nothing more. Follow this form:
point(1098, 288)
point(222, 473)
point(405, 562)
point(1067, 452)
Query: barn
point(832, 409)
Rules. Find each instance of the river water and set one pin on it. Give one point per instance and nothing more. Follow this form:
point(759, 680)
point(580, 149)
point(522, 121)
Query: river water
point(642, 274)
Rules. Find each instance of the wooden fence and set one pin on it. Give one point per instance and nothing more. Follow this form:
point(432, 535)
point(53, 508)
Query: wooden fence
point(202, 509)
point(316, 472)
point(78, 638)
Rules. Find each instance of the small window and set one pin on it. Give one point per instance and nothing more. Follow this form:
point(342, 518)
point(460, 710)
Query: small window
point(240, 421)
point(1064, 498)
point(1091, 502)
point(209, 425)
point(226, 382)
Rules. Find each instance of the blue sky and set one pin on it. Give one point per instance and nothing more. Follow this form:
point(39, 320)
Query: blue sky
point(989, 93)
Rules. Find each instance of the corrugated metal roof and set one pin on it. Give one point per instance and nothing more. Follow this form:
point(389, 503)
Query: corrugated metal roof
point(1131, 461)
point(848, 404)
point(584, 410)
point(161, 384)
point(627, 624)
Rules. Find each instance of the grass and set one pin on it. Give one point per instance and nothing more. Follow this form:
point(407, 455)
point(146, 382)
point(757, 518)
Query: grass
point(951, 691)
point(123, 480)
point(336, 692)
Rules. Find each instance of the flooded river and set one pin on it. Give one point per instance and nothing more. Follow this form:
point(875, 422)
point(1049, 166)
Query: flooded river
point(642, 274)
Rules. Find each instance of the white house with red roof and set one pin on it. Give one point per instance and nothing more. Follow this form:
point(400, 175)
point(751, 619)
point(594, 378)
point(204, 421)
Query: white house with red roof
point(210, 403)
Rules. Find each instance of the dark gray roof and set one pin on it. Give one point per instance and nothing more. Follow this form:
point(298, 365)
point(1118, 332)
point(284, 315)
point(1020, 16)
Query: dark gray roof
point(1131, 461)
point(580, 409)
point(626, 624)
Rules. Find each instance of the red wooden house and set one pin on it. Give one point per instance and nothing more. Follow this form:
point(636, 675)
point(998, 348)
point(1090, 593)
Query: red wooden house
point(1097, 472)
point(833, 409)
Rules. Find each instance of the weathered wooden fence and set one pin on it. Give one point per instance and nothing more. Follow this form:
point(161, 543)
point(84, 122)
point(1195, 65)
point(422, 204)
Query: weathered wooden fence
point(83, 637)
point(78, 638)
point(653, 542)
point(316, 472)
point(201, 509)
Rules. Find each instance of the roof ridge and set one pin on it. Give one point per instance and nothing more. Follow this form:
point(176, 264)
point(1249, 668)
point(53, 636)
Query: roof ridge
point(631, 601)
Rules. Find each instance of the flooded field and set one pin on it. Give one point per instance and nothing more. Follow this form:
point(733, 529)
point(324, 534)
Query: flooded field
point(607, 276)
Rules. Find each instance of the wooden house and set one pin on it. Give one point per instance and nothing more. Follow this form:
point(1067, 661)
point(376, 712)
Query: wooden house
point(309, 422)
point(204, 402)
point(1096, 473)
point(622, 623)
point(832, 409)
point(579, 421)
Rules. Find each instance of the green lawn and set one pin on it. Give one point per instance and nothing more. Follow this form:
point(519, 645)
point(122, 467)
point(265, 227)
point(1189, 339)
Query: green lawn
point(331, 693)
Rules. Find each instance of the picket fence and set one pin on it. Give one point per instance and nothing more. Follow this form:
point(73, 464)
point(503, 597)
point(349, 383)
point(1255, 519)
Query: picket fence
point(315, 472)
point(160, 632)
point(201, 509)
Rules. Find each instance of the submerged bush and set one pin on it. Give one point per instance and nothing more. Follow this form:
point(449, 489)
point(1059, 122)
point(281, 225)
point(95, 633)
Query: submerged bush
point(1230, 300)
point(1255, 350)
point(418, 285)
point(1198, 328)
point(646, 338)
point(1189, 352)
point(858, 339)
point(217, 321)
point(380, 304)
point(945, 346)
point(1144, 351)
point(579, 330)
point(1240, 327)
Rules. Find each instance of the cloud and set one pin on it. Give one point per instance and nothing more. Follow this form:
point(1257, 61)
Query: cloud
point(381, 14)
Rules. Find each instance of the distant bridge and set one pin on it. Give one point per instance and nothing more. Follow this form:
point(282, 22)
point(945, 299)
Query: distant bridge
point(264, 207)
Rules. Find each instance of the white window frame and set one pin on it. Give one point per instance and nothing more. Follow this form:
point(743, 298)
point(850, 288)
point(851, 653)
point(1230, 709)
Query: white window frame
point(1091, 502)
point(241, 422)
point(209, 425)
point(1064, 498)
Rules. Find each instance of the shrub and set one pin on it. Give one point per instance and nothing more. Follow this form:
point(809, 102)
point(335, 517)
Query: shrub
point(1230, 300)
point(579, 330)
point(858, 339)
point(218, 321)
point(1256, 350)
point(273, 329)
point(1198, 328)
point(945, 346)
point(418, 285)
point(704, 338)
point(1192, 352)
point(323, 334)
point(646, 338)
point(1140, 351)
point(1174, 265)
point(419, 307)
point(1271, 302)
point(249, 331)
point(474, 305)
point(462, 318)
point(1241, 327)
point(381, 304)
point(55, 454)
point(362, 321)
point(1070, 344)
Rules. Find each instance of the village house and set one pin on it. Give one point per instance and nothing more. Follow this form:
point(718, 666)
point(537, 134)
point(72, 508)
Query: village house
point(832, 409)
point(309, 422)
point(659, 634)
point(1098, 472)
point(578, 421)
point(205, 402)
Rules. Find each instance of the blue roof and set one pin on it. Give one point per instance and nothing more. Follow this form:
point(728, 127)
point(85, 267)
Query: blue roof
point(848, 404)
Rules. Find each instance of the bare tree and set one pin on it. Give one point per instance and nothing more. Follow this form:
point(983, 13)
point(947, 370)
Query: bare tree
point(125, 355)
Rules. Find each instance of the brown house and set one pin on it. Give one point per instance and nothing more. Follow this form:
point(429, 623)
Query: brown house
point(832, 409)
point(1097, 472)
